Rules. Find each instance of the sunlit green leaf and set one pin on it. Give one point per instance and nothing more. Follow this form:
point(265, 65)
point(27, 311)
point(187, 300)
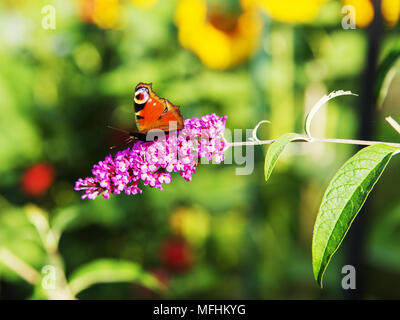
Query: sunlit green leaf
point(275, 149)
point(386, 72)
point(109, 271)
point(343, 199)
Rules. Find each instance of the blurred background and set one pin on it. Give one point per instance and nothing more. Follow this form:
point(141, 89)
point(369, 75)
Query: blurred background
point(222, 235)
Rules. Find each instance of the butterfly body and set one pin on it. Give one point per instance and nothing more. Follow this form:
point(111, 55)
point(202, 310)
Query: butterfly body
point(153, 112)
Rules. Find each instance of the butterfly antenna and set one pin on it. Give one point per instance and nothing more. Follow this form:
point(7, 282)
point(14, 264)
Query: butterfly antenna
point(124, 143)
point(129, 140)
point(118, 129)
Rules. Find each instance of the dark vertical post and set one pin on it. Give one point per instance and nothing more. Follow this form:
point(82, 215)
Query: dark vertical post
point(366, 116)
point(252, 289)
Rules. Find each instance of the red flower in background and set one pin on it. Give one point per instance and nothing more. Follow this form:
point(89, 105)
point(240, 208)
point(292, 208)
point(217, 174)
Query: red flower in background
point(177, 254)
point(37, 179)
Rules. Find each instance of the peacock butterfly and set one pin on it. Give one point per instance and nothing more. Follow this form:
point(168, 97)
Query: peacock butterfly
point(153, 112)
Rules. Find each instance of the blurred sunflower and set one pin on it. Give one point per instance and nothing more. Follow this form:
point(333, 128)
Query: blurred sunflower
point(106, 13)
point(364, 11)
point(103, 13)
point(292, 11)
point(145, 4)
point(220, 39)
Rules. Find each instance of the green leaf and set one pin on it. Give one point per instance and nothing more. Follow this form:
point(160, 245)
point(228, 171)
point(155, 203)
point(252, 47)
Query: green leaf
point(276, 149)
point(108, 271)
point(386, 72)
point(343, 199)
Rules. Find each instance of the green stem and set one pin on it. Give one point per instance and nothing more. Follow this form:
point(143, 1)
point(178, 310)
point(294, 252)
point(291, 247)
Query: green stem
point(305, 139)
point(20, 267)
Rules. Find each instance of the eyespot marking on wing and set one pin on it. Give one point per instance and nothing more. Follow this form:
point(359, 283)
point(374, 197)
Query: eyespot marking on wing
point(141, 95)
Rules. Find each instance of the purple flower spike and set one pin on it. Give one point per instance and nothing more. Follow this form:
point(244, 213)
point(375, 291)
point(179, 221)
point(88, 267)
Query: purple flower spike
point(153, 162)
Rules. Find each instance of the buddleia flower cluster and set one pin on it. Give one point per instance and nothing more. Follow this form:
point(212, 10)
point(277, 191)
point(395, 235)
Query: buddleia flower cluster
point(151, 163)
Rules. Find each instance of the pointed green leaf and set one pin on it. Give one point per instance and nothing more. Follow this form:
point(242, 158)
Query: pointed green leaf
point(108, 271)
point(343, 199)
point(386, 71)
point(276, 148)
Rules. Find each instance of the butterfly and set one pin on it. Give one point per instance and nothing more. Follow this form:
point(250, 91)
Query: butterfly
point(153, 113)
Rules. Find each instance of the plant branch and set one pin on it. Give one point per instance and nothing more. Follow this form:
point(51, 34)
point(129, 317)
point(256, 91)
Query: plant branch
point(20, 267)
point(305, 139)
point(255, 141)
point(393, 123)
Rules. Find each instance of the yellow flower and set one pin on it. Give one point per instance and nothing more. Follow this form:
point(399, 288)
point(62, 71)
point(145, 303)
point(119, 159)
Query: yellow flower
point(104, 13)
point(292, 11)
point(364, 11)
point(219, 39)
point(391, 11)
point(107, 13)
point(144, 4)
point(191, 223)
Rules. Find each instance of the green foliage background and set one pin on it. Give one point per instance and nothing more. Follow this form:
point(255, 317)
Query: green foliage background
point(59, 89)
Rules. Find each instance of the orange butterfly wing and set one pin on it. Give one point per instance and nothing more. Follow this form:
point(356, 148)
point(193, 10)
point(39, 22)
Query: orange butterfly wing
point(155, 112)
